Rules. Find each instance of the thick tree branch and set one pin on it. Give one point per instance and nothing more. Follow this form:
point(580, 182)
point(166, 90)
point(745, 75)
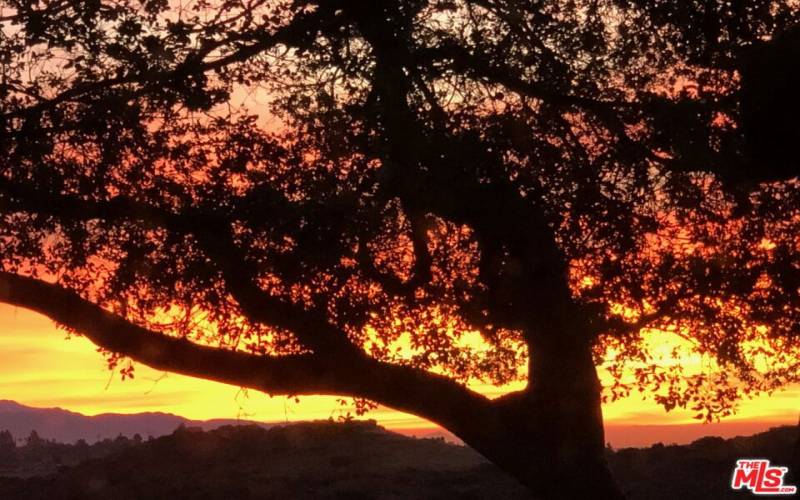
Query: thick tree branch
point(477, 66)
point(401, 387)
point(436, 173)
point(287, 375)
point(212, 232)
point(311, 327)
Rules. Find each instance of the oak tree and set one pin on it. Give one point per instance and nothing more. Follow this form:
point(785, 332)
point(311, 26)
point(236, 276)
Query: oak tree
point(392, 200)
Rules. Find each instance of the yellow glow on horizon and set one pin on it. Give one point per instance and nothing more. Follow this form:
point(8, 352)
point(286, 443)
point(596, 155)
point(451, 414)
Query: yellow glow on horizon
point(38, 367)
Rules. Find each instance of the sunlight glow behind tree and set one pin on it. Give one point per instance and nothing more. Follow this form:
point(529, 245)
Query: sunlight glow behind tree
point(564, 180)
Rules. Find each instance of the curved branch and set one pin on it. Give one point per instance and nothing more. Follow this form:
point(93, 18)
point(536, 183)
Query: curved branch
point(404, 388)
point(298, 374)
point(212, 233)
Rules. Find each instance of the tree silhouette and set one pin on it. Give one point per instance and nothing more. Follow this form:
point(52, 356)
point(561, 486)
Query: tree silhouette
point(334, 197)
point(8, 449)
point(34, 442)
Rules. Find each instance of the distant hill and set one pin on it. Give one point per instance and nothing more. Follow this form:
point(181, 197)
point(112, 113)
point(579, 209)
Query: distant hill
point(703, 469)
point(319, 460)
point(67, 427)
point(355, 460)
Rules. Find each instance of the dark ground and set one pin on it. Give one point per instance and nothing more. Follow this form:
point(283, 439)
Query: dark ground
point(328, 460)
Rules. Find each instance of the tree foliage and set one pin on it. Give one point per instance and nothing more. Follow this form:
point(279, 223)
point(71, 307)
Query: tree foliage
point(310, 179)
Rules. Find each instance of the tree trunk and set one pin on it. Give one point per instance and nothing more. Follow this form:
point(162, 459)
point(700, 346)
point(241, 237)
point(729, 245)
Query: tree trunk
point(550, 436)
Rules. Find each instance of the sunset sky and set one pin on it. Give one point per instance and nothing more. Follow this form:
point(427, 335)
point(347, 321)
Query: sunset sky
point(38, 367)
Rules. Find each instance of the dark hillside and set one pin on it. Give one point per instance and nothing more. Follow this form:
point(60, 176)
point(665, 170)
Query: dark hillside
point(702, 469)
point(354, 460)
point(314, 460)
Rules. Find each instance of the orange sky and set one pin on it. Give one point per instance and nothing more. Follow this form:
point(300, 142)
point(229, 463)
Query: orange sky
point(39, 368)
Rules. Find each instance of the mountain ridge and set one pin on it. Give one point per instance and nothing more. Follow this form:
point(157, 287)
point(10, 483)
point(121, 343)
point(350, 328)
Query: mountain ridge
point(67, 426)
